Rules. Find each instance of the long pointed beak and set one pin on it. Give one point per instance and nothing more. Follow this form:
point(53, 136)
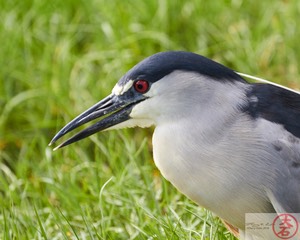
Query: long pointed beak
point(113, 109)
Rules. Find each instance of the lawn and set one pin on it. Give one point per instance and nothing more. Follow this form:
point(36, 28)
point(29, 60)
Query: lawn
point(60, 57)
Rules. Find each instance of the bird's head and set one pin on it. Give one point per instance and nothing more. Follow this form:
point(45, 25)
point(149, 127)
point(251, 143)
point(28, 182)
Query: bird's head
point(163, 87)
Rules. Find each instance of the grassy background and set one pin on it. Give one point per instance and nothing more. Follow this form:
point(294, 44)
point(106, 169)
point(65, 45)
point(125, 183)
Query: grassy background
point(60, 57)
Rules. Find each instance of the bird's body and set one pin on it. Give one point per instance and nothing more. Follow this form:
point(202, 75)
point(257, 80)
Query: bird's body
point(231, 146)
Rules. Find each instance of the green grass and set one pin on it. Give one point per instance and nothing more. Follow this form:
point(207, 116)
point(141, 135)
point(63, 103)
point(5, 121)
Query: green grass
point(59, 57)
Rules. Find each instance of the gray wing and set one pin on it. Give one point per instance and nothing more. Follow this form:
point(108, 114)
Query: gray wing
point(282, 107)
point(285, 193)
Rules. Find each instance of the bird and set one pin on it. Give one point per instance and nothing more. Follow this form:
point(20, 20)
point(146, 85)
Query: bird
point(230, 145)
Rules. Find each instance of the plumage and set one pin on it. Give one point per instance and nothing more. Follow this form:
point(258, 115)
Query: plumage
point(161, 64)
point(231, 146)
point(275, 104)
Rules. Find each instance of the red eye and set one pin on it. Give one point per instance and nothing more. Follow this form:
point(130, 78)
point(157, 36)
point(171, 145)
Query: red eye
point(141, 86)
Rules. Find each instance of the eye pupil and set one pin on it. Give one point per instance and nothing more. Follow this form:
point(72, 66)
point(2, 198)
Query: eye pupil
point(141, 86)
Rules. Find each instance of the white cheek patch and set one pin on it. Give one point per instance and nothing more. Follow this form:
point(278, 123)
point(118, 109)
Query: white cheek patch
point(119, 90)
point(131, 123)
point(153, 90)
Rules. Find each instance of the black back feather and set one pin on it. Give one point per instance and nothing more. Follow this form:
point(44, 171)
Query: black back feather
point(275, 104)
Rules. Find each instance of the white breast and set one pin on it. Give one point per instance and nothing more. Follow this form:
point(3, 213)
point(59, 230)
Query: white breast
point(213, 169)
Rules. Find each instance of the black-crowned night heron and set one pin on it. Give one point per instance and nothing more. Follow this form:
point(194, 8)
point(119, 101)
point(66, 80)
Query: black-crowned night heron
point(230, 146)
